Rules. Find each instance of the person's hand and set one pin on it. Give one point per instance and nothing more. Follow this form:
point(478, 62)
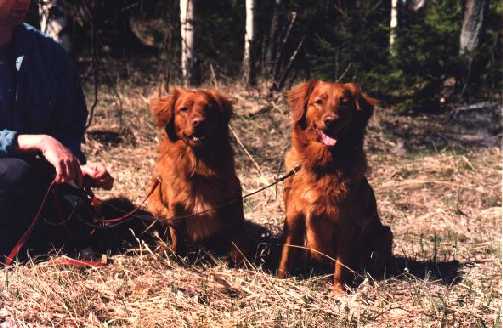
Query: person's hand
point(96, 175)
point(66, 164)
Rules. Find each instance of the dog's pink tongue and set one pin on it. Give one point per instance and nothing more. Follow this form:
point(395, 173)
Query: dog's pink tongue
point(328, 141)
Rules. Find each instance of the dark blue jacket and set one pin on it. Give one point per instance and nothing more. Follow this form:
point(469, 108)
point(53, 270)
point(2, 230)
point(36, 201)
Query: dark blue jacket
point(49, 98)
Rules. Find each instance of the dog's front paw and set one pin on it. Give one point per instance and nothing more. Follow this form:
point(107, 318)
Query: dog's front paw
point(339, 288)
point(282, 274)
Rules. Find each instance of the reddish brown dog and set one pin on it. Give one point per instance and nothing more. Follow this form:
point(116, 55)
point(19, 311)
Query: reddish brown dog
point(199, 195)
point(331, 213)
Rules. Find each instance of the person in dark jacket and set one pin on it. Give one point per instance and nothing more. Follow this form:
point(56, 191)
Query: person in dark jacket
point(42, 121)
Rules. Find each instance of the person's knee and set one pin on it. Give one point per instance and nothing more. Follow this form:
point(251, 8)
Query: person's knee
point(15, 173)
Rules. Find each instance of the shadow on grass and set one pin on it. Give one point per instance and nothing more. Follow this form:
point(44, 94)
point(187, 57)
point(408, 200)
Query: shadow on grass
point(135, 225)
point(444, 272)
point(77, 233)
point(470, 127)
point(264, 252)
point(398, 267)
point(71, 229)
point(126, 235)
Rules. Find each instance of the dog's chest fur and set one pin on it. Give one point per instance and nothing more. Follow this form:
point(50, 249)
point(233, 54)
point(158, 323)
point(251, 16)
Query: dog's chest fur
point(205, 202)
point(198, 193)
point(324, 196)
point(323, 192)
point(325, 203)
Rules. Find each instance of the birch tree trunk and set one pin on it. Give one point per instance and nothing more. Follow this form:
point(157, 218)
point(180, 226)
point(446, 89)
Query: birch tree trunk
point(472, 26)
point(392, 28)
point(249, 45)
point(188, 60)
point(469, 39)
point(416, 5)
point(54, 23)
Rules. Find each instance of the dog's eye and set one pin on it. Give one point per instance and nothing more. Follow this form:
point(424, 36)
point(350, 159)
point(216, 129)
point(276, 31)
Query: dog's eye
point(183, 109)
point(319, 101)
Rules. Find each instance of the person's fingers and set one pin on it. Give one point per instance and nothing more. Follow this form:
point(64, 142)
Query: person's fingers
point(66, 165)
point(71, 170)
point(59, 172)
point(97, 176)
point(78, 173)
point(84, 170)
point(89, 170)
point(98, 170)
point(67, 169)
point(101, 175)
point(101, 168)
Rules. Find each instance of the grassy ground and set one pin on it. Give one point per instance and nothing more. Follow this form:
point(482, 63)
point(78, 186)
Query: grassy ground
point(438, 185)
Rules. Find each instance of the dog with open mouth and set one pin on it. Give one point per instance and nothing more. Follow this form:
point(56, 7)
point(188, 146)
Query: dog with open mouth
point(331, 211)
point(198, 194)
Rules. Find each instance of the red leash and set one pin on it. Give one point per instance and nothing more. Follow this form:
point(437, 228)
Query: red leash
point(24, 238)
point(95, 201)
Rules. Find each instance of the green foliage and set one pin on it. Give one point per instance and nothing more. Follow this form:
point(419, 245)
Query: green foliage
point(347, 40)
point(427, 53)
point(428, 42)
point(220, 35)
point(356, 43)
point(351, 42)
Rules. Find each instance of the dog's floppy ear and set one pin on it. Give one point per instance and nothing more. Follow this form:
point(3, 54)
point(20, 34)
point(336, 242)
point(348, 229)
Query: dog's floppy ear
point(363, 102)
point(163, 109)
point(224, 104)
point(298, 98)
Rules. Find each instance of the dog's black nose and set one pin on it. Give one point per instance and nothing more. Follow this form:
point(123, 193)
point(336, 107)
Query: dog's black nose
point(330, 120)
point(196, 122)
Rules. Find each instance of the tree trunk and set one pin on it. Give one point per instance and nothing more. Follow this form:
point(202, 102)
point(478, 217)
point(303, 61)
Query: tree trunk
point(249, 75)
point(392, 28)
point(53, 22)
point(188, 59)
point(416, 5)
point(274, 35)
point(468, 42)
point(472, 26)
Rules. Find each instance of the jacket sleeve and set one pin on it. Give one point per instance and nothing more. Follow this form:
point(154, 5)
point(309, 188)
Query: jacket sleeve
point(71, 108)
point(8, 143)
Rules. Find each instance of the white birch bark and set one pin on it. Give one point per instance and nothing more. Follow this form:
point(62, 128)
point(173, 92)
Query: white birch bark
point(54, 23)
point(249, 44)
point(416, 5)
point(392, 28)
point(472, 26)
point(187, 38)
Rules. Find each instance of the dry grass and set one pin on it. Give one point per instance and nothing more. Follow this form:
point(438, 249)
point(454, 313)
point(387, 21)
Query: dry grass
point(440, 194)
